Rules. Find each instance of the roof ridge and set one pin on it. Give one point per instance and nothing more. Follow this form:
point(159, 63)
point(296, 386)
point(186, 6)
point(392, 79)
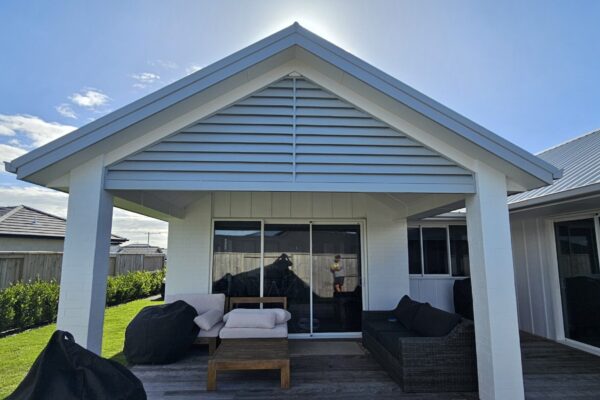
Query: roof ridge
point(11, 212)
point(597, 130)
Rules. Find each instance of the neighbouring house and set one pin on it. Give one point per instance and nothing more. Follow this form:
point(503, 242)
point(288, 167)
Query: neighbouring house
point(273, 161)
point(24, 228)
point(31, 245)
point(555, 241)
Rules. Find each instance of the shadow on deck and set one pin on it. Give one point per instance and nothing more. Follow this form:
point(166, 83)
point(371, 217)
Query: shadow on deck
point(322, 371)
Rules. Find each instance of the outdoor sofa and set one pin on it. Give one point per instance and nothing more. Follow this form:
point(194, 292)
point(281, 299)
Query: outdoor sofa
point(423, 348)
point(210, 309)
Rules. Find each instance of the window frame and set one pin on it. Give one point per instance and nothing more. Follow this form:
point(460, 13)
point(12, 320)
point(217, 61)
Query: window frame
point(446, 226)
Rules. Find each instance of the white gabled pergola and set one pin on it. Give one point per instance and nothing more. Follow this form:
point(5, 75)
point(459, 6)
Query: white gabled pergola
point(295, 117)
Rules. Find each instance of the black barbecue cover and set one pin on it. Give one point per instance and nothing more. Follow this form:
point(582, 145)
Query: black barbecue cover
point(463, 298)
point(65, 370)
point(161, 334)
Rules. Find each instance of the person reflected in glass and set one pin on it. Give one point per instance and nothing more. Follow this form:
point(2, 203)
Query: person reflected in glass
point(337, 269)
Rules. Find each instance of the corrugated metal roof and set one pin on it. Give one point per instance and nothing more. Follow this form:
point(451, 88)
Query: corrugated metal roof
point(579, 159)
point(26, 221)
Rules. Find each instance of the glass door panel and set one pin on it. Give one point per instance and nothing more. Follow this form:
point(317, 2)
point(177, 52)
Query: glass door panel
point(287, 270)
point(336, 278)
point(236, 258)
point(579, 276)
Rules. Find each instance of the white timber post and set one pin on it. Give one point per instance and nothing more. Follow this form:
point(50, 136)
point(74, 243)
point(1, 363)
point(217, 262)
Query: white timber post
point(493, 283)
point(86, 256)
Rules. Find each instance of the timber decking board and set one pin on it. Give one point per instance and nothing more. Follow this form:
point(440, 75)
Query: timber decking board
point(551, 371)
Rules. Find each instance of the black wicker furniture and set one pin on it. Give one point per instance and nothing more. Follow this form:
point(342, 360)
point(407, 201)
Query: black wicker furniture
point(403, 342)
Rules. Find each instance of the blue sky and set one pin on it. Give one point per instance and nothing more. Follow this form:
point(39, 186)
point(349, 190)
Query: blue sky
point(527, 70)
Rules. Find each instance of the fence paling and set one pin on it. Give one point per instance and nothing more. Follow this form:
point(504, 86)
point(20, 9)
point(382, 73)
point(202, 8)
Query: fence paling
point(25, 266)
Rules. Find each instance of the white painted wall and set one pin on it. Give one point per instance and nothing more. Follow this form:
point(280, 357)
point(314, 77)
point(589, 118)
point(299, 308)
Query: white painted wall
point(437, 291)
point(386, 269)
point(189, 245)
point(534, 255)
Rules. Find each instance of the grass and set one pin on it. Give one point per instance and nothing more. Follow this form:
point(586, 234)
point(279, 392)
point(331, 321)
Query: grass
point(18, 352)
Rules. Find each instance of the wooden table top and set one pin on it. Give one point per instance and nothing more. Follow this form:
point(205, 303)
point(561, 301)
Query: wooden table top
point(252, 349)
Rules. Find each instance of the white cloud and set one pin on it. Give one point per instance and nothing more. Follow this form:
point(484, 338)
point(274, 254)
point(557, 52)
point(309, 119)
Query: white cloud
point(166, 64)
point(89, 98)
point(193, 68)
point(39, 131)
point(66, 111)
point(9, 153)
point(133, 226)
point(144, 79)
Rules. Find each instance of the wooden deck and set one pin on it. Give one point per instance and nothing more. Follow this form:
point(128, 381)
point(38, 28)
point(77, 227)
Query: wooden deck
point(551, 370)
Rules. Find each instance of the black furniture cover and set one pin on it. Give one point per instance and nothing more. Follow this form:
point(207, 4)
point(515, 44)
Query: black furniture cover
point(161, 334)
point(65, 370)
point(463, 298)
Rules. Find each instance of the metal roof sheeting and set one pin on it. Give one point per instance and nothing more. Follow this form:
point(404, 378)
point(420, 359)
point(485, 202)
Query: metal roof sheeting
point(580, 161)
point(26, 221)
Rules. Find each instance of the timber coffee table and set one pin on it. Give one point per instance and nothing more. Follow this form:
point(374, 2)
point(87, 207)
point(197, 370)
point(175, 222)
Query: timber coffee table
point(250, 354)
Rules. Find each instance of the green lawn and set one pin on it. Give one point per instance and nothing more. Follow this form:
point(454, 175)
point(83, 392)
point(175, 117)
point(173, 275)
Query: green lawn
point(18, 352)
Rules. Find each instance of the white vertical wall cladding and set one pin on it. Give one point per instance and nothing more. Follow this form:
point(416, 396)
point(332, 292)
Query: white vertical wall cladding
point(189, 247)
point(291, 205)
point(387, 245)
point(533, 255)
point(436, 291)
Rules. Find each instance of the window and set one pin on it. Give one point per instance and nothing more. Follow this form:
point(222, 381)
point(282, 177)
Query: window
point(459, 250)
point(438, 250)
point(414, 250)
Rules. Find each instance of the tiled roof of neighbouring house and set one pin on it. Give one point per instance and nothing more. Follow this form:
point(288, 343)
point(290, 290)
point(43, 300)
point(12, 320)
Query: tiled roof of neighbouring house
point(140, 249)
point(579, 159)
point(26, 221)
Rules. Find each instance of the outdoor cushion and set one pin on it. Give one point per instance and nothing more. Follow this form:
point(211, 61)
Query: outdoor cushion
point(207, 320)
point(263, 319)
point(212, 332)
point(279, 331)
point(406, 310)
point(201, 302)
point(431, 321)
point(161, 334)
point(65, 370)
point(281, 315)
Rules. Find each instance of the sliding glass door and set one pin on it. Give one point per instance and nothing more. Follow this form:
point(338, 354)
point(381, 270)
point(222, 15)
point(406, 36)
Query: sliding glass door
point(336, 283)
point(287, 270)
point(316, 266)
point(579, 275)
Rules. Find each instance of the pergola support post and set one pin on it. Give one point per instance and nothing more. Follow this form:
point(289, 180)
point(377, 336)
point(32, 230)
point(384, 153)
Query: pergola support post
point(493, 283)
point(85, 258)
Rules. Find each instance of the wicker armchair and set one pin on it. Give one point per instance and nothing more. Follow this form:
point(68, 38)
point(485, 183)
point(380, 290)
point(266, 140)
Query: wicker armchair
point(423, 364)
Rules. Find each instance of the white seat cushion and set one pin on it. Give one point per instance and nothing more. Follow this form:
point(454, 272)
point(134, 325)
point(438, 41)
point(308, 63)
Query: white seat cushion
point(254, 319)
point(212, 332)
point(281, 315)
point(279, 331)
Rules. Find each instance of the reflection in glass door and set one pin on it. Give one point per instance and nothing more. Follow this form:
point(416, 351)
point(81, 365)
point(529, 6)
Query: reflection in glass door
point(579, 276)
point(287, 270)
point(336, 278)
point(320, 277)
